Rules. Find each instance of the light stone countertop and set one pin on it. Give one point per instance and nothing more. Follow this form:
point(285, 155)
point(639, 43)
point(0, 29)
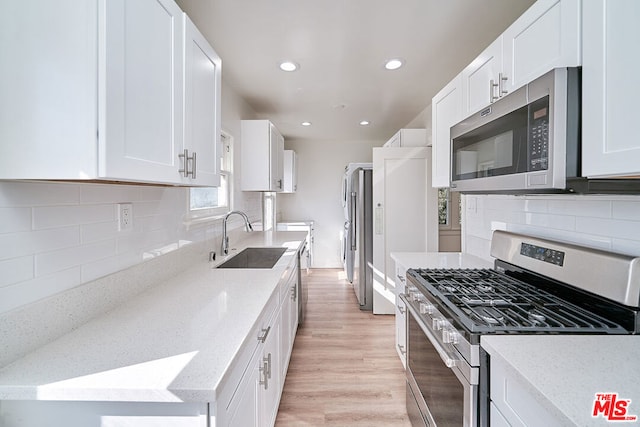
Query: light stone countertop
point(439, 260)
point(564, 372)
point(172, 343)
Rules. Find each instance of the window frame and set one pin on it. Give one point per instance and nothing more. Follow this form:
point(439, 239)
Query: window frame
point(226, 174)
point(453, 216)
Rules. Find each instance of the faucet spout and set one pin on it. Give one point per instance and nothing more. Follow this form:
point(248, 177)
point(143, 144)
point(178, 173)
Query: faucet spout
point(225, 238)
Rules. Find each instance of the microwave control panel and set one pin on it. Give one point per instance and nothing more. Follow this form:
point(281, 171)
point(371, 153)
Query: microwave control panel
point(539, 135)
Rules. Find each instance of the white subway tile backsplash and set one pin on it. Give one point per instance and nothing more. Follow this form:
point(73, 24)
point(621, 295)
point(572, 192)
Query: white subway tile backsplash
point(15, 219)
point(581, 206)
point(98, 231)
point(60, 216)
point(607, 222)
point(626, 209)
point(104, 193)
point(16, 270)
point(56, 235)
point(27, 194)
point(51, 262)
point(40, 287)
point(33, 242)
point(96, 269)
point(612, 228)
point(536, 205)
point(559, 222)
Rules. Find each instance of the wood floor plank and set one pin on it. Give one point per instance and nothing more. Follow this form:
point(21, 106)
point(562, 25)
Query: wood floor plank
point(344, 370)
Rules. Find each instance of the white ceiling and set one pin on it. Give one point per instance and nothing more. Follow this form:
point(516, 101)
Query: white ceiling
point(341, 46)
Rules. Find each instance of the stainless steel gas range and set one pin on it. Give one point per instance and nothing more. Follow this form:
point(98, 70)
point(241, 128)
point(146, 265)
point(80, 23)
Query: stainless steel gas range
point(537, 286)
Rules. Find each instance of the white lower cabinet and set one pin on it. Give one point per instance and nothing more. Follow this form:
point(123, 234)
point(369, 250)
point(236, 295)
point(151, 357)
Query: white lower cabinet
point(251, 395)
point(401, 314)
point(512, 403)
point(38, 413)
point(288, 322)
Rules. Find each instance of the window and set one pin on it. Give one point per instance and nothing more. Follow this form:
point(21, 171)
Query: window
point(215, 201)
point(449, 209)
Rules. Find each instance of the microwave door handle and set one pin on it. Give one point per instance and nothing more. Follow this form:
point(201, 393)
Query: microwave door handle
point(448, 360)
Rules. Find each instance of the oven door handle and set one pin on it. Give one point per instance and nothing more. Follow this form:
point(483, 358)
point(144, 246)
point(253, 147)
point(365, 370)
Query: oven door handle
point(449, 361)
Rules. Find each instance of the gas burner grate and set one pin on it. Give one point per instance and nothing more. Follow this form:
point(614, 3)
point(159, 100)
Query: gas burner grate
point(489, 301)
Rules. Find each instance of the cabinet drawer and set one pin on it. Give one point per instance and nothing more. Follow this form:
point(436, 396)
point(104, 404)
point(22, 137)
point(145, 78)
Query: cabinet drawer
point(240, 363)
point(514, 400)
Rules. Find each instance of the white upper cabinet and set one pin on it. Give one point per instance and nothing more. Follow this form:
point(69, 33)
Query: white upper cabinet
point(111, 102)
point(611, 35)
point(480, 79)
point(408, 138)
point(546, 36)
point(262, 156)
point(141, 54)
point(48, 89)
point(290, 166)
point(446, 111)
point(202, 78)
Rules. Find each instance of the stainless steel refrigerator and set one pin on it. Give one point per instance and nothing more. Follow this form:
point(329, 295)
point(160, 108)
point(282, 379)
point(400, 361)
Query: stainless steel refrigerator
point(357, 240)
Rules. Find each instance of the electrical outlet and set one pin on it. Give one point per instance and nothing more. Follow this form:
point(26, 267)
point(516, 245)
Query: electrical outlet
point(125, 216)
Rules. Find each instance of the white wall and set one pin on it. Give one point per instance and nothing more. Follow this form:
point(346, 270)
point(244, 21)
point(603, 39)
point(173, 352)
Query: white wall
point(320, 169)
point(54, 236)
point(605, 222)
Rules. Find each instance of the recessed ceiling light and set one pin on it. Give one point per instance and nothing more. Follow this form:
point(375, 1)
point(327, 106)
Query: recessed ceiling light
point(289, 66)
point(306, 123)
point(394, 64)
point(364, 123)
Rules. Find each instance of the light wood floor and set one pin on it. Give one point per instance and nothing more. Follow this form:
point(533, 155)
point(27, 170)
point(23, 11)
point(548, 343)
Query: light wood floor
point(344, 369)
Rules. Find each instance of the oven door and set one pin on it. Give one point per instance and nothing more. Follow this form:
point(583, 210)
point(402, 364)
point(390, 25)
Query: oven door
point(442, 388)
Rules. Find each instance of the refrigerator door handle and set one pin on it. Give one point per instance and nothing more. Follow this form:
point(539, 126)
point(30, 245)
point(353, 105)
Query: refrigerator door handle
point(353, 220)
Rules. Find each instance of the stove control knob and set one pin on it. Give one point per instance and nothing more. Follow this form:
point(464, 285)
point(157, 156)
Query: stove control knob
point(450, 336)
point(426, 308)
point(438, 323)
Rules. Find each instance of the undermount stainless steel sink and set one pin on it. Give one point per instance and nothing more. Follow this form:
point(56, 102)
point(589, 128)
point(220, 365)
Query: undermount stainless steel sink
point(254, 258)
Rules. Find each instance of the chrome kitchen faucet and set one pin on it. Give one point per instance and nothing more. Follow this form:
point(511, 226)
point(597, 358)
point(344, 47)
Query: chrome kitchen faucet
point(225, 238)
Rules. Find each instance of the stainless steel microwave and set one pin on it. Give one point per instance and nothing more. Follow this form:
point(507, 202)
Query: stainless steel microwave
point(527, 141)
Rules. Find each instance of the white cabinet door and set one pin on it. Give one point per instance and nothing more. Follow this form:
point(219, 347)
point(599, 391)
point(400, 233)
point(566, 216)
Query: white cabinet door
point(276, 142)
point(288, 321)
point(401, 308)
point(202, 73)
point(243, 410)
point(546, 36)
point(262, 156)
point(610, 93)
point(111, 104)
point(480, 79)
point(290, 167)
point(446, 112)
point(51, 413)
point(514, 399)
point(269, 388)
point(404, 221)
point(141, 60)
point(48, 89)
